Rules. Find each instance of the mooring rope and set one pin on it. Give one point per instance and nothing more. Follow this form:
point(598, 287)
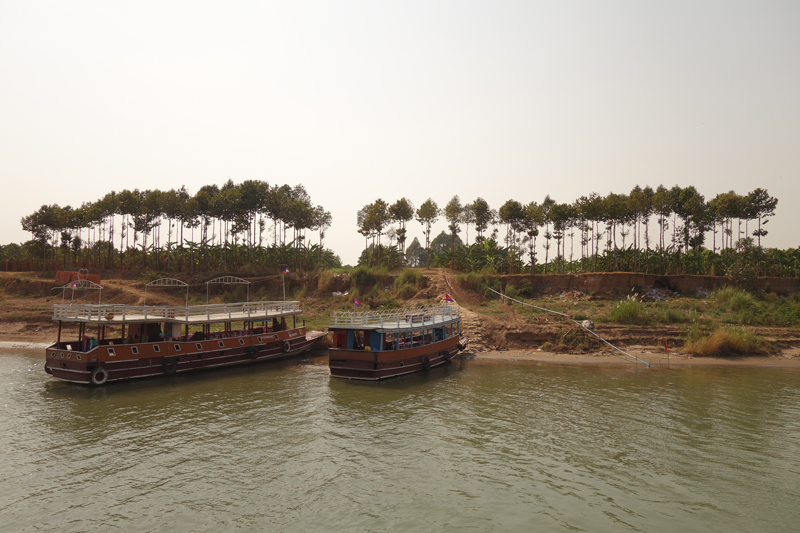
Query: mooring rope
point(575, 321)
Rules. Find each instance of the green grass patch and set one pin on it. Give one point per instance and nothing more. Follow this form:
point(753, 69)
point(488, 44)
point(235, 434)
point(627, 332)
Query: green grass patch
point(630, 311)
point(733, 298)
point(675, 316)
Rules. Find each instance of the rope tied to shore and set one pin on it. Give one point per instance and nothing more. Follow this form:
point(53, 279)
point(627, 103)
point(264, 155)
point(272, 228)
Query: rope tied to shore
point(575, 321)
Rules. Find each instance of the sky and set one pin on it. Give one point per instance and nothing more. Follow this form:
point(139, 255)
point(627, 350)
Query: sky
point(365, 100)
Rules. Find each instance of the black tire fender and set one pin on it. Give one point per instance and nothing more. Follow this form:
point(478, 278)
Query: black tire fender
point(286, 346)
point(99, 376)
point(170, 365)
point(446, 355)
point(426, 363)
point(252, 352)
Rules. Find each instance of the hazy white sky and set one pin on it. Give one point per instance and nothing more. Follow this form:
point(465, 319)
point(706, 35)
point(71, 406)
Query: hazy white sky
point(366, 100)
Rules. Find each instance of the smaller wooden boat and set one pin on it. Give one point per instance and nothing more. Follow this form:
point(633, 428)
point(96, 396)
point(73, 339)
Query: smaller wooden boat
point(379, 345)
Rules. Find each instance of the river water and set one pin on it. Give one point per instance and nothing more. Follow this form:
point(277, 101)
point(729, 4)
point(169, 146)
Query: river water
point(476, 446)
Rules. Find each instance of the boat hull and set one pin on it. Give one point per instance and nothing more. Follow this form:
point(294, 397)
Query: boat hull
point(377, 365)
point(130, 361)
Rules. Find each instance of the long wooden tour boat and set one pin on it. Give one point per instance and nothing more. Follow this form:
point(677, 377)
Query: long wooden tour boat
point(378, 345)
point(163, 340)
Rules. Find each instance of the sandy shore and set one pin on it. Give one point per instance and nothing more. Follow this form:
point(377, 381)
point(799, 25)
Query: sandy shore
point(787, 358)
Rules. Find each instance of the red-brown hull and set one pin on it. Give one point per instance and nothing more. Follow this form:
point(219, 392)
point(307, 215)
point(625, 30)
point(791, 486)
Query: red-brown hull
point(366, 365)
point(169, 357)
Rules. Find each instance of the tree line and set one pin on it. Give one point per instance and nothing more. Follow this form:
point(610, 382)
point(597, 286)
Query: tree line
point(215, 228)
point(611, 232)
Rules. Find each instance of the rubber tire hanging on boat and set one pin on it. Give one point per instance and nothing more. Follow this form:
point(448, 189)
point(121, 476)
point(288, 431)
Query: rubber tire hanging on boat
point(446, 355)
point(47, 369)
point(169, 366)
point(99, 376)
point(252, 352)
point(286, 346)
point(426, 363)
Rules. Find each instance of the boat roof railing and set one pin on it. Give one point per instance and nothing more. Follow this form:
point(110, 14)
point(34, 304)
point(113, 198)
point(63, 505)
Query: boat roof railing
point(117, 314)
point(410, 316)
point(167, 282)
point(80, 284)
point(228, 280)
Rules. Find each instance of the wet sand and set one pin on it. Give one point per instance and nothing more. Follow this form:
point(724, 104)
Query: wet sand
point(789, 357)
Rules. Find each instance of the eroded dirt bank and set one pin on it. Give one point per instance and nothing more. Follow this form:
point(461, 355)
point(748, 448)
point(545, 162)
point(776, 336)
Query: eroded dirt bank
point(622, 282)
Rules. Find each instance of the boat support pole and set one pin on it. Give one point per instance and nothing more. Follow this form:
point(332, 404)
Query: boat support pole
point(575, 321)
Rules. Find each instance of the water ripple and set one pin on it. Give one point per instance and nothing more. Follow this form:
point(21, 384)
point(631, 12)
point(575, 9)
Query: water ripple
point(475, 446)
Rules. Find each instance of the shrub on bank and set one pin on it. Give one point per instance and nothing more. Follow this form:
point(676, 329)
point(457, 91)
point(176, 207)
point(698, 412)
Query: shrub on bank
point(480, 282)
point(365, 278)
point(726, 341)
point(409, 283)
point(406, 292)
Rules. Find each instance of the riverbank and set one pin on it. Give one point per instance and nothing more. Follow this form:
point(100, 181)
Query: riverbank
point(496, 331)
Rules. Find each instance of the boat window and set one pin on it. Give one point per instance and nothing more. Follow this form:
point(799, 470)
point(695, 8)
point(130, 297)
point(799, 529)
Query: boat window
point(156, 348)
point(177, 347)
point(405, 340)
point(241, 341)
point(198, 346)
point(135, 350)
point(78, 357)
point(221, 344)
point(111, 352)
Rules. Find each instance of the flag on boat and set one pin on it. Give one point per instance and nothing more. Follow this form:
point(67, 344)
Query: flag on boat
point(447, 298)
point(357, 302)
point(287, 270)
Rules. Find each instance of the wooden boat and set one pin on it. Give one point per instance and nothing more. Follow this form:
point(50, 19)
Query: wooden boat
point(163, 340)
point(379, 345)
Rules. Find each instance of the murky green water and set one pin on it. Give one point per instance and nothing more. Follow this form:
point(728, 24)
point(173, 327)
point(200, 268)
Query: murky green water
point(473, 447)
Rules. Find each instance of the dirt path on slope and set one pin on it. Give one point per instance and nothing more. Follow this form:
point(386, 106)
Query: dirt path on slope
point(471, 322)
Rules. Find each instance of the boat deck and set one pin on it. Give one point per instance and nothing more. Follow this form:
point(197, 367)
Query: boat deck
point(397, 319)
point(193, 314)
